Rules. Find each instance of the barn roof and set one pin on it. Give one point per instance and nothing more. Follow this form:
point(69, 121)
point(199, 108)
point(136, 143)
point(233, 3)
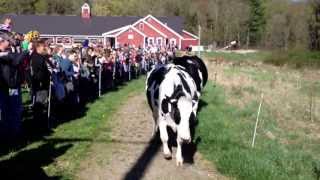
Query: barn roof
point(75, 25)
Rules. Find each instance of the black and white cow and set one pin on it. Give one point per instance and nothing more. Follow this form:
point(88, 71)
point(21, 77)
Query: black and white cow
point(173, 93)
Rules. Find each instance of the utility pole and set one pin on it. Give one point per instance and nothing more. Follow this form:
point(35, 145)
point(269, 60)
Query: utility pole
point(199, 44)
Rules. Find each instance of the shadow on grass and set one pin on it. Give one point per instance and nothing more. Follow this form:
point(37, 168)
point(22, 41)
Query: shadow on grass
point(35, 130)
point(28, 164)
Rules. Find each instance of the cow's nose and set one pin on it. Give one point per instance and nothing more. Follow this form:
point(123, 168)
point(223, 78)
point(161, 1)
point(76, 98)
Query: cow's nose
point(188, 141)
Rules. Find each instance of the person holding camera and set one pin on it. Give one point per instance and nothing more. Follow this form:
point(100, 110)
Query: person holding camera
point(10, 91)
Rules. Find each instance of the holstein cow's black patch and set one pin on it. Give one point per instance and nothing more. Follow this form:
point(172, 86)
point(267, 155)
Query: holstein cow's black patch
point(156, 77)
point(184, 82)
point(169, 104)
point(193, 65)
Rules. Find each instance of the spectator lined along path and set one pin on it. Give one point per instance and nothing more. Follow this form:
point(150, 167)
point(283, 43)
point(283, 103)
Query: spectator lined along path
point(56, 77)
point(45, 84)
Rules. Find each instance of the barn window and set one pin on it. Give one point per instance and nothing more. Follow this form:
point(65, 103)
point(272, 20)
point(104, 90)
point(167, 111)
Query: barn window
point(141, 26)
point(130, 36)
point(59, 40)
point(78, 40)
point(49, 40)
point(130, 30)
point(94, 41)
point(150, 41)
point(64, 40)
point(159, 41)
point(173, 41)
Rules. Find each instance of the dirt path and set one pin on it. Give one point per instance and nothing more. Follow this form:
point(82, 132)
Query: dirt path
point(134, 154)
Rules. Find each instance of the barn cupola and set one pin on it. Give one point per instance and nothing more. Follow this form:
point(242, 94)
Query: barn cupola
point(85, 11)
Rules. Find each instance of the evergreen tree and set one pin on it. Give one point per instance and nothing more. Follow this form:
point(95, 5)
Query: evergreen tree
point(315, 26)
point(257, 22)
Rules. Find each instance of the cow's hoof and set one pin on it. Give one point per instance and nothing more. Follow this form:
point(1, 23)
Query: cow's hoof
point(179, 163)
point(167, 156)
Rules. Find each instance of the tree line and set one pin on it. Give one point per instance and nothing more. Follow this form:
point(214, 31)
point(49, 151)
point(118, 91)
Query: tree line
point(280, 24)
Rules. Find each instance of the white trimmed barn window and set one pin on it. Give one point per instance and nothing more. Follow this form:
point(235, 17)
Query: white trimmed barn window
point(49, 40)
point(78, 40)
point(159, 41)
point(150, 41)
point(173, 41)
point(141, 26)
point(130, 36)
point(94, 41)
point(59, 40)
point(64, 40)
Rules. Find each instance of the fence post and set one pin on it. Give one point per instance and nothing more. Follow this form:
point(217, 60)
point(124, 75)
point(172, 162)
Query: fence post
point(257, 121)
point(129, 70)
point(49, 101)
point(100, 71)
point(199, 43)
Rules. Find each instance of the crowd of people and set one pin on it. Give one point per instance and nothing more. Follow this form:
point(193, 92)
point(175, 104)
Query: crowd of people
point(56, 77)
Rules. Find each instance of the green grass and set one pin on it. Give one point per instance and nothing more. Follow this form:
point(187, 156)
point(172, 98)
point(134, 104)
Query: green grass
point(311, 88)
point(59, 154)
point(257, 56)
point(295, 59)
point(292, 58)
point(226, 134)
point(259, 75)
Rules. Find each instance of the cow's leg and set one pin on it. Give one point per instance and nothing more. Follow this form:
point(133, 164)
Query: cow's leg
point(155, 124)
point(179, 158)
point(164, 138)
point(172, 124)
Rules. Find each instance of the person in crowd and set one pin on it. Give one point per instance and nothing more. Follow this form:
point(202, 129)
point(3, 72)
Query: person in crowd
point(40, 77)
point(66, 65)
point(10, 91)
point(7, 24)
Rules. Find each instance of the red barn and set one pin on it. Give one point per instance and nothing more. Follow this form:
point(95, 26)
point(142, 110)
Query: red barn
point(154, 31)
point(114, 30)
point(189, 40)
point(126, 35)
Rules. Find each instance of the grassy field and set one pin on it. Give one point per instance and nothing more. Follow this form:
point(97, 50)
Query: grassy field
point(287, 144)
point(256, 56)
point(58, 155)
point(294, 59)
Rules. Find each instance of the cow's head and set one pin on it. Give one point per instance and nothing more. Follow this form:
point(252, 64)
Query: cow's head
point(179, 105)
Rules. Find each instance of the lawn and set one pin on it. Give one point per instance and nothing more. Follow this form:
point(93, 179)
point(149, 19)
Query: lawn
point(287, 144)
point(295, 59)
point(226, 134)
point(232, 56)
point(59, 154)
